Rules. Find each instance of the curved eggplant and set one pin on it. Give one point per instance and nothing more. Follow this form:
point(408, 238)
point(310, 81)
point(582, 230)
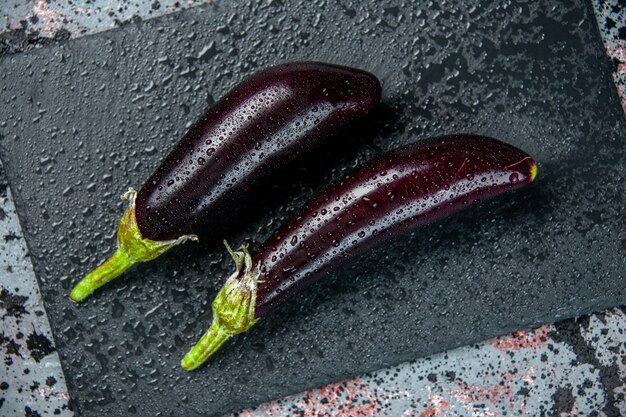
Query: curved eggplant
point(394, 193)
point(261, 124)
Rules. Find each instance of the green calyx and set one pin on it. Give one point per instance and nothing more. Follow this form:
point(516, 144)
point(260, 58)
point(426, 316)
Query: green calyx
point(131, 248)
point(233, 310)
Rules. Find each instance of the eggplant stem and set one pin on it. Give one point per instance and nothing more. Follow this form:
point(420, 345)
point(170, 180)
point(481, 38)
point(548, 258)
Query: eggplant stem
point(206, 346)
point(131, 248)
point(108, 270)
point(233, 310)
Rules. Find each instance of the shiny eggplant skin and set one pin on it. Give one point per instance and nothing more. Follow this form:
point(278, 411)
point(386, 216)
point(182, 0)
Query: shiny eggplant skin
point(396, 192)
point(261, 124)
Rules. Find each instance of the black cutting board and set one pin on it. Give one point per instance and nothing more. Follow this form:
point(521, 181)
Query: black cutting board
point(82, 121)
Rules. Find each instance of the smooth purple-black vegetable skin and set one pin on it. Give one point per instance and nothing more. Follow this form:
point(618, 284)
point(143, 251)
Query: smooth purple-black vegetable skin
point(400, 191)
point(396, 192)
point(261, 124)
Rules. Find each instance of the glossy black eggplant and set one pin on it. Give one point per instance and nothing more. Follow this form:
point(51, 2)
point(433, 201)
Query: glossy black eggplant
point(261, 124)
point(395, 192)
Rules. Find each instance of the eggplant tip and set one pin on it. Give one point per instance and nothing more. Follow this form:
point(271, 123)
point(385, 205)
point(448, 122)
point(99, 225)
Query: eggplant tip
point(76, 296)
point(188, 363)
point(533, 171)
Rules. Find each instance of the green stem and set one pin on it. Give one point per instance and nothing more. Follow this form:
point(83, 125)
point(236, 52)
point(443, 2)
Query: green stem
point(107, 271)
point(233, 310)
point(131, 248)
point(206, 346)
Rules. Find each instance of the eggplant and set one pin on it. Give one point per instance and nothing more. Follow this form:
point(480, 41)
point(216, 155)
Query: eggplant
point(260, 125)
point(394, 193)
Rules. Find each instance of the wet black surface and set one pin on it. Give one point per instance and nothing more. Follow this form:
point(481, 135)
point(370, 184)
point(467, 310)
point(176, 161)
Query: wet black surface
point(82, 121)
